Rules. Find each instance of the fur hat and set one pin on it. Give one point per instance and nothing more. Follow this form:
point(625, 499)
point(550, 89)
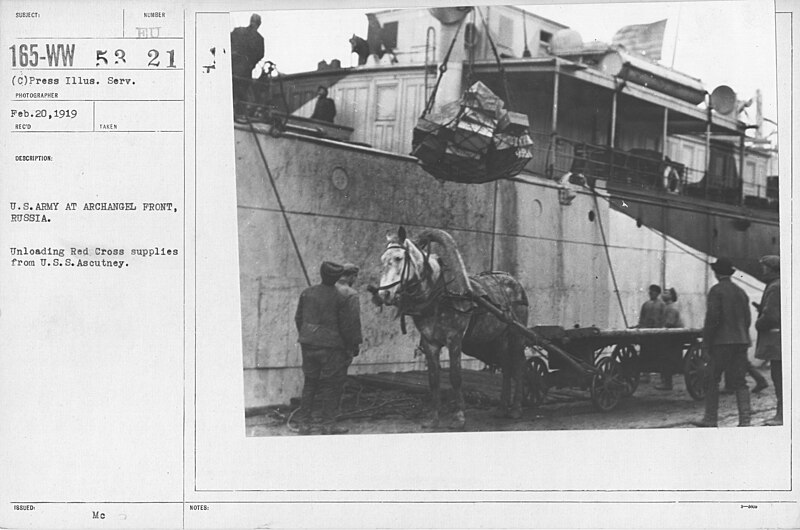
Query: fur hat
point(723, 267)
point(349, 268)
point(673, 294)
point(771, 262)
point(330, 272)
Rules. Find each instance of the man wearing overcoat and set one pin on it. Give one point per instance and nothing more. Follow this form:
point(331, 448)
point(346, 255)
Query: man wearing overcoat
point(247, 49)
point(768, 326)
point(329, 326)
point(726, 337)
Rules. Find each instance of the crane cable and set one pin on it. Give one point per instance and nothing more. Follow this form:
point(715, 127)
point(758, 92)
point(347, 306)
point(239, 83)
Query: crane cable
point(442, 70)
point(496, 58)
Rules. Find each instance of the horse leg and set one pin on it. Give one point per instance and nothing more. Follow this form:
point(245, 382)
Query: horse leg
point(432, 361)
point(516, 361)
point(454, 349)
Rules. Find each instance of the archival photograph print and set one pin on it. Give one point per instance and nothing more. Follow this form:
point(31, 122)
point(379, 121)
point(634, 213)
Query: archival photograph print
point(497, 218)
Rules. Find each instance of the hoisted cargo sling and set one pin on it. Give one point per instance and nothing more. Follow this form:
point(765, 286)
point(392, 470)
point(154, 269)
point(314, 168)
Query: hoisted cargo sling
point(473, 139)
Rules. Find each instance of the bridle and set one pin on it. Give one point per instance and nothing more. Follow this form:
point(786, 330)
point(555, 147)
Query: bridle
point(409, 286)
point(410, 300)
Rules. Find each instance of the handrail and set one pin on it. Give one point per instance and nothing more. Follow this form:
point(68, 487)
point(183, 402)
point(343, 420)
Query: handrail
point(637, 170)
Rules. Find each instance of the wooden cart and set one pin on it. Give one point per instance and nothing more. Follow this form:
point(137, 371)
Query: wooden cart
point(619, 354)
point(607, 362)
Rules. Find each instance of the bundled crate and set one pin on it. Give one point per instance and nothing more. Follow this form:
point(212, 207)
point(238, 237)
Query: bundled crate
point(473, 140)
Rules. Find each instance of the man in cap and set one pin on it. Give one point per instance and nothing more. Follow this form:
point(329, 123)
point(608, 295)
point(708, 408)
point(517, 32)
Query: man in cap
point(726, 337)
point(348, 279)
point(247, 49)
point(768, 326)
point(329, 326)
point(345, 284)
point(652, 314)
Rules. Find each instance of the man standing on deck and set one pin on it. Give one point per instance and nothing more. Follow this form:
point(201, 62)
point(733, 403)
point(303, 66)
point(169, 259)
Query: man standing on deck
point(325, 108)
point(768, 325)
point(726, 337)
point(247, 49)
point(329, 326)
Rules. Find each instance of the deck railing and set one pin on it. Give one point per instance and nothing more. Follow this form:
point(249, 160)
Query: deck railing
point(554, 156)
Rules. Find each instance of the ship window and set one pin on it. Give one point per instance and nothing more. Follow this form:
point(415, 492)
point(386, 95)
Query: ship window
point(591, 216)
point(545, 37)
point(386, 102)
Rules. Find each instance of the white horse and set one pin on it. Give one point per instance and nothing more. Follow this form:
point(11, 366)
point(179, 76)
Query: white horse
point(438, 296)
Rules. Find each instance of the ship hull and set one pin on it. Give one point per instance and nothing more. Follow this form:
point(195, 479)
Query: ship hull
point(339, 200)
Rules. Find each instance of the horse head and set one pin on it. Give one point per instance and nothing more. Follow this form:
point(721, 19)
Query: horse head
point(403, 266)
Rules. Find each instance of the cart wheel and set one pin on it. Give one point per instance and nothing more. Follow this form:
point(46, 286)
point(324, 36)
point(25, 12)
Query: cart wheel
point(535, 382)
point(695, 371)
point(597, 353)
point(608, 385)
point(626, 356)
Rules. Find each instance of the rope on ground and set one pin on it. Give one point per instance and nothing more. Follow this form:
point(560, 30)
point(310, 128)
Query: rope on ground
point(361, 412)
point(289, 421)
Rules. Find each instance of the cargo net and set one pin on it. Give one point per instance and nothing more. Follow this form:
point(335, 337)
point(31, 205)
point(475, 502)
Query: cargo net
point(473, 140)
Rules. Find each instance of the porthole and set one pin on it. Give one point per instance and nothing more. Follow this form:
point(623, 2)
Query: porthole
point(591, 216)
point(339, 178)
point(536, 208)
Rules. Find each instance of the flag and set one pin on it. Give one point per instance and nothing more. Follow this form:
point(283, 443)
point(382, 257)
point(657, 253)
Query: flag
point(642, 39)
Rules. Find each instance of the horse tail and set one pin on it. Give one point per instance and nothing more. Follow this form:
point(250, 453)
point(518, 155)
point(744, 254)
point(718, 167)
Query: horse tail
point(458, 280)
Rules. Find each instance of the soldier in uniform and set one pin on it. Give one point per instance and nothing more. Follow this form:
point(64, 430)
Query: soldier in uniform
point(726, 337)
point(247, 49)
point(768, 326)
point(328, 322)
